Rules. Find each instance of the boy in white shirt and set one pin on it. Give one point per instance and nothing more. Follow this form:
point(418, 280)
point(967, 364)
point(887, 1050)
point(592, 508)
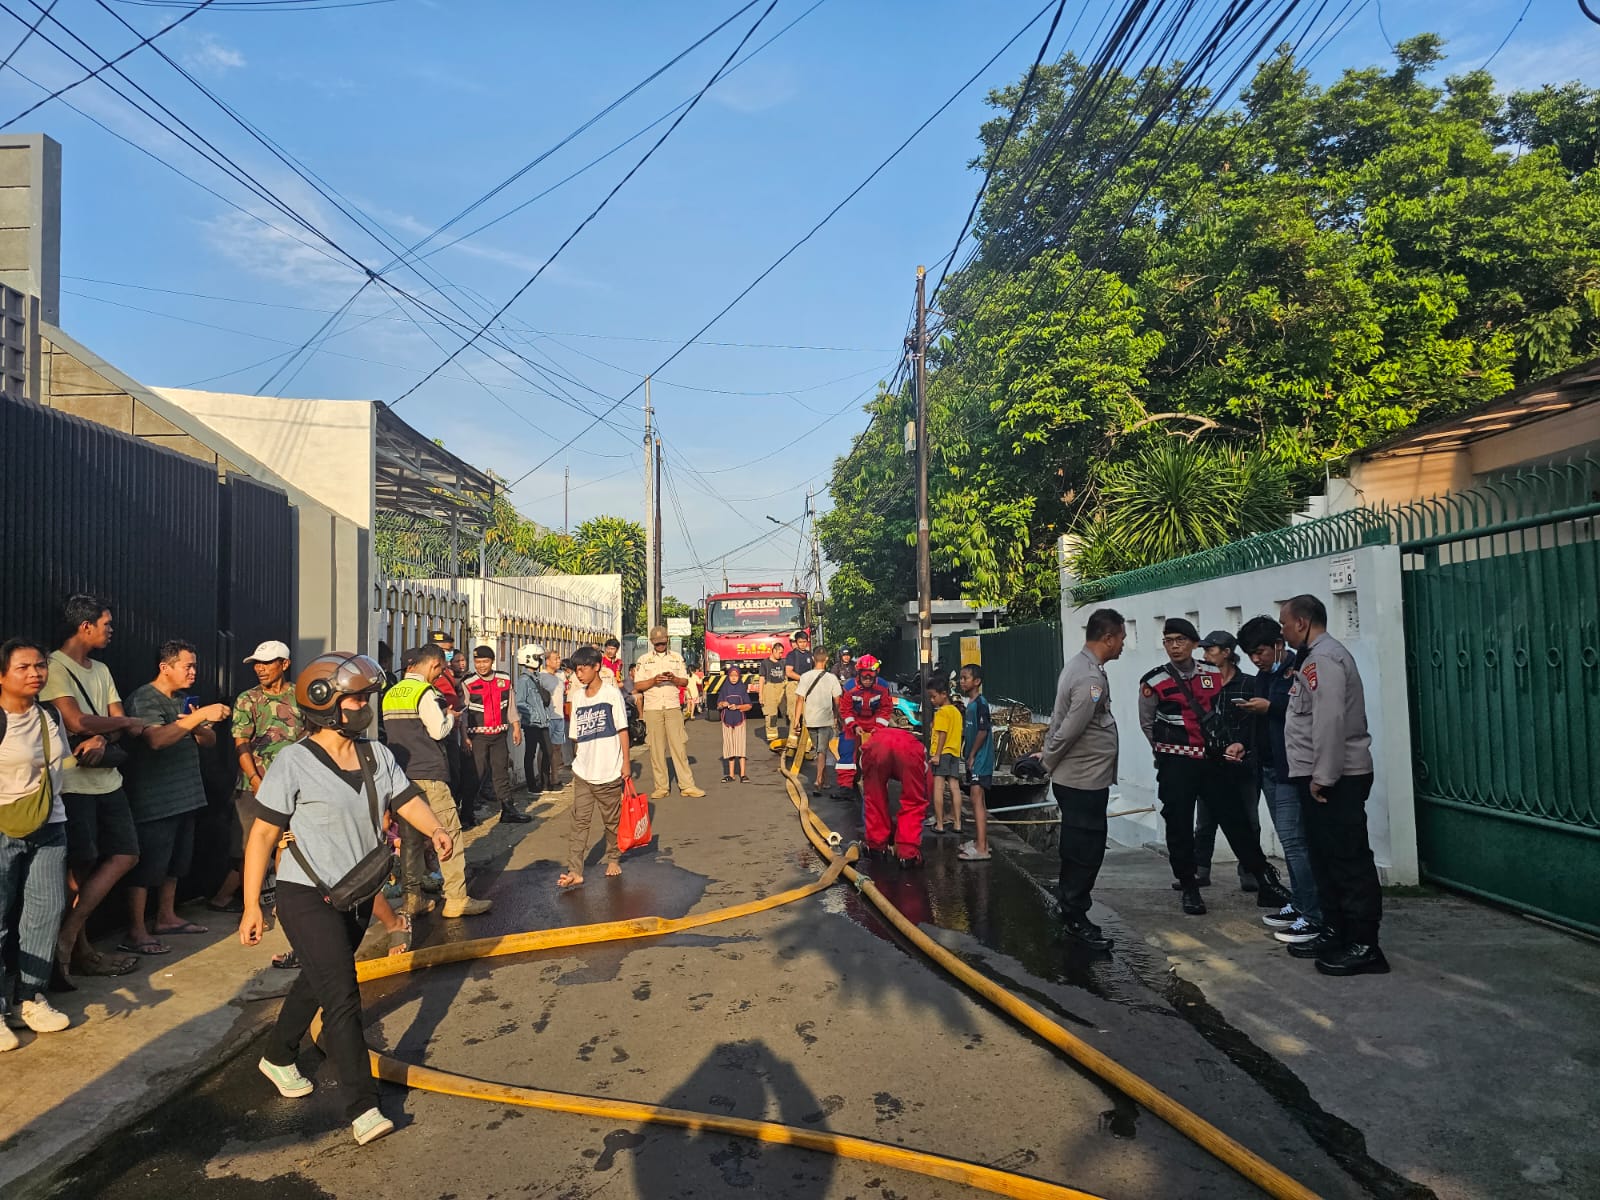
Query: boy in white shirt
point(597, 729)
point(815, 699)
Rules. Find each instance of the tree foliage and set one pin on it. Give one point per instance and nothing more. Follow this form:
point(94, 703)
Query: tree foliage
point(1159, 350)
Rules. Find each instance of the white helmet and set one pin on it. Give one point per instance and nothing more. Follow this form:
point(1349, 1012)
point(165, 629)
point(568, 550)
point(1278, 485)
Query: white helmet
point(531, 655)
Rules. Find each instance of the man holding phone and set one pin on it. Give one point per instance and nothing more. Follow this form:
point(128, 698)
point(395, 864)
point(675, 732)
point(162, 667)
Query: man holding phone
point(1236, 729)
point(657, 676)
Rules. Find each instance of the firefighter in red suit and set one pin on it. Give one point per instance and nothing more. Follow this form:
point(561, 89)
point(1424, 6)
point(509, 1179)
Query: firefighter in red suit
point(886, 751)
point(866, 700)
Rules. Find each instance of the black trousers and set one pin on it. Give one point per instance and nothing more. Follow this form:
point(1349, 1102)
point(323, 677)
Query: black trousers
point(325, 941)
point(538, 758)
point(1083, 844)
point(1205, 822)
point(491, 756)
point(463, 781)
point(1180, 784)
point(1341, 857)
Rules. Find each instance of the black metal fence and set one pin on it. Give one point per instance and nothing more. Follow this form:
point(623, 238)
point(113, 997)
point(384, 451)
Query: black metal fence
point(178, 553)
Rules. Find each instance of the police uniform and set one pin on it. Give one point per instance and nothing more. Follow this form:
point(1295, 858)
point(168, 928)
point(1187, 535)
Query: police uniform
point(1173, 705)
point(1080, 752)
point(1326, 742)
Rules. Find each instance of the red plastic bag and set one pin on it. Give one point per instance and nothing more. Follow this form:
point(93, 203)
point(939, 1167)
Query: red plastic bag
point(633, 826)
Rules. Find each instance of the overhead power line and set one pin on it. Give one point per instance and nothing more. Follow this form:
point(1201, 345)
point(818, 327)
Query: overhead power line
point(582, 225)
point(806, 237)
point(109, 63)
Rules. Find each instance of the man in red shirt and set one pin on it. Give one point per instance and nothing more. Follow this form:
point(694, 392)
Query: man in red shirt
point(491, 711)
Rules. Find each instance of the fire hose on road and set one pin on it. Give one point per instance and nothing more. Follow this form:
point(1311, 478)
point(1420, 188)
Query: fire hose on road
point(839, 864)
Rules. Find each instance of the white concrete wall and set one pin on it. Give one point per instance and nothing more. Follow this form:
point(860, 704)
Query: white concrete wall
point(325, 448)
point(1366, 617)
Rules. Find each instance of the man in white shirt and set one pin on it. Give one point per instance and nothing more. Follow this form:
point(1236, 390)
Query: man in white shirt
point(815, 699)
point(597, 725)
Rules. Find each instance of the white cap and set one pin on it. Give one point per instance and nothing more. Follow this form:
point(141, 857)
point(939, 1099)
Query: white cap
point(269, 652)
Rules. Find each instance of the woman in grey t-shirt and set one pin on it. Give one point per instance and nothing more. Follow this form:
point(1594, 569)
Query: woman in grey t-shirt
point(316, 789)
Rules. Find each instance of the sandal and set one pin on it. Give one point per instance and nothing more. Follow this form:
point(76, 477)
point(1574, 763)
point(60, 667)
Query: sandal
point(727, 779)
point(400, 939)
point(969, 853)
point(744, 779)
point(286, 961)
point(97, 964)
point(236, 905)
point(184, 927)
point(149, 948)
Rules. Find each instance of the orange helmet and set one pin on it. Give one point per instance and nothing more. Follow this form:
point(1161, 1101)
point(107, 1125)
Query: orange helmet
point(324, 683)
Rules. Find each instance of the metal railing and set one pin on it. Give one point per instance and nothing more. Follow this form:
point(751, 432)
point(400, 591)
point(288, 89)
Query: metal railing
point(1535, 495)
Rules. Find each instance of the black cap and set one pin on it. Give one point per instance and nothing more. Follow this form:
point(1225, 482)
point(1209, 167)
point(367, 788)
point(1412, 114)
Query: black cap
point(1219, 637)
point(1179, 625)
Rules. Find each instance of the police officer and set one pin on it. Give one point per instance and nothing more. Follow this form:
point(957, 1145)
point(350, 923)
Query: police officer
point(1175, 700)
point(1329, 754)
point(1080, 754)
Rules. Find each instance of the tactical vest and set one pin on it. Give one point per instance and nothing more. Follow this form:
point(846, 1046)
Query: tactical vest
point(419, 756)
point(1181, 706)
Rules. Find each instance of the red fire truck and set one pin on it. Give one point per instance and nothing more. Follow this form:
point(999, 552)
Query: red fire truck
point(743, 622)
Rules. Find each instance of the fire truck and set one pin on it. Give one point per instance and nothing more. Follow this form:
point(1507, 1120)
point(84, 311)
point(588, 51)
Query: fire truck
point(743, 622)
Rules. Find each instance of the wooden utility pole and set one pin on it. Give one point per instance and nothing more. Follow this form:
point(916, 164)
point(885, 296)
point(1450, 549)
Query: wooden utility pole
point(924, 553)
point(652, 483)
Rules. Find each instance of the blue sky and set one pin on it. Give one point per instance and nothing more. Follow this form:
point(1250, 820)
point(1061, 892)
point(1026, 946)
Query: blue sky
point(412, 109)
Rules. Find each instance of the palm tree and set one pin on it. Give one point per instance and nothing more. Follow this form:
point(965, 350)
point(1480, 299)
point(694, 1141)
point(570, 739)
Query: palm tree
point(615, 546)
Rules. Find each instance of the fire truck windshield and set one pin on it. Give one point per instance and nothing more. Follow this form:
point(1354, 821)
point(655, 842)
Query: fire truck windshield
point(756, 614)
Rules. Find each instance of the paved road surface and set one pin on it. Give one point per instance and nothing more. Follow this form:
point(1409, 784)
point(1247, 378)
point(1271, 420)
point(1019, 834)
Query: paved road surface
point(812, 1015)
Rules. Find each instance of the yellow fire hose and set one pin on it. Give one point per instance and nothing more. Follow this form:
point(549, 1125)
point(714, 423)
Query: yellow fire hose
point(1003, 1183)
point(1205, 1135)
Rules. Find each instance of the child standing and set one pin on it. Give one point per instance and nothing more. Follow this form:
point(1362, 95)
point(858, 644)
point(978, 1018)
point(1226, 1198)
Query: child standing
point(597, 727)
point(944, 756)
point(733, 701)
point(977, 730)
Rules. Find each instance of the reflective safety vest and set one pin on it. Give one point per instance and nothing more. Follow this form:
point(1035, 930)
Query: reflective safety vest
point(419, 755)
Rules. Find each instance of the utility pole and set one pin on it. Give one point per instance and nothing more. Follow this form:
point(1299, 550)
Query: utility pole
point(651, 479)
point(924, 553)
point(816, 564)
point(655, 578)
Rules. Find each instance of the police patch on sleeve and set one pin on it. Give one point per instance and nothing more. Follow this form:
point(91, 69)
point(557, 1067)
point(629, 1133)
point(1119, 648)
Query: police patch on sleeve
point(1309, 673)
point(1206, 682)
point(1096, 692)
point(1148, 690)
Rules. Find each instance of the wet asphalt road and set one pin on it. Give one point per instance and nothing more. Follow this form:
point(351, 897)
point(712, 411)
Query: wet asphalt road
point(812, 1015)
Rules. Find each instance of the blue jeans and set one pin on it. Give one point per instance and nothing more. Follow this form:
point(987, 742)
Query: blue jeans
point(1284, 803)
point(33, 895)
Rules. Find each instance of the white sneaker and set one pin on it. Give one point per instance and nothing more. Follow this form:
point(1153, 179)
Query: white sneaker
point(370, 1126)
point(1301, 931)
point(8, 1040)
point(40, 1016)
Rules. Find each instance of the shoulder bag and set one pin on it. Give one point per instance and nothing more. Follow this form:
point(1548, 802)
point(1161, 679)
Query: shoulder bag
point(23, 816)
point(115, 754)
point(362, 881)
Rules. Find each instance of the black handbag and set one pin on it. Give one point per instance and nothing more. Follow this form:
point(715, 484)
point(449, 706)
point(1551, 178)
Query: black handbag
point(115, 754)
point(362, 881)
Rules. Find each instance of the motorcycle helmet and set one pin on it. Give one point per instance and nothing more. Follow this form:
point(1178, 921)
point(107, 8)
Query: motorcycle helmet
point(531, 656)
point(330, 677)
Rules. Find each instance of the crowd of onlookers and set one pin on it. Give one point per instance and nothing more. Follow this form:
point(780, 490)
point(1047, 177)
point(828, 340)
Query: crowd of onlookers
point(101, 790)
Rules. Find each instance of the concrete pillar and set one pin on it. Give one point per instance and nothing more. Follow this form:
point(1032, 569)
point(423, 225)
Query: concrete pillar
point(30, 219)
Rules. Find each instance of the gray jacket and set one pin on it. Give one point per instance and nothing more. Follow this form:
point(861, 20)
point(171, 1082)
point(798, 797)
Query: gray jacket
point(1325, 729)
point(1080, 751)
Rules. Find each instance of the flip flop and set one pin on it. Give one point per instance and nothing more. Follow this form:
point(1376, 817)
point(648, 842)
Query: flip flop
point(150, 949)
point(236, 905)
point(970, 854)
point(286, 962)
point(186, 927)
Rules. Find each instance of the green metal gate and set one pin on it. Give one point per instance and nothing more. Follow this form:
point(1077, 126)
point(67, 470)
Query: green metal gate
point(1501, 588)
